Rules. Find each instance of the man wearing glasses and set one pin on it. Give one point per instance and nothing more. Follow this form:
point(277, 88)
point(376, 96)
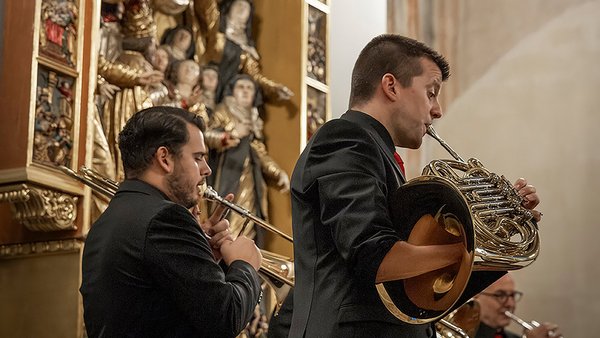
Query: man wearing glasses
point(495, 301)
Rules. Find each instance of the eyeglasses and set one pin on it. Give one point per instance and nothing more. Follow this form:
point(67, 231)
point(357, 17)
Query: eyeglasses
point(502, 296)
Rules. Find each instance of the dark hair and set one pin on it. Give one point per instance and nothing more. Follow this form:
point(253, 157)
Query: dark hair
point(151, 128)
point(169, 36)
point(109, 10)
point(394, 54)
point(258, 100)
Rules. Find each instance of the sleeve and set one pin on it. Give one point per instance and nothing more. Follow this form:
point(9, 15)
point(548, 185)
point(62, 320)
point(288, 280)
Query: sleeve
point(251, 67)
point(117, 73)
point(270, 169)
point(349, 169)
point(179, 257)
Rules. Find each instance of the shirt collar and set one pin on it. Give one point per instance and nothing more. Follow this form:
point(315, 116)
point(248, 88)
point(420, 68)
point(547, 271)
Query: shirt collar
point(367, 120)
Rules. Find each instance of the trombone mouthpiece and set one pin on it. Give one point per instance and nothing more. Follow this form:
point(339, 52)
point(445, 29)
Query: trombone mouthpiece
point(208, 192)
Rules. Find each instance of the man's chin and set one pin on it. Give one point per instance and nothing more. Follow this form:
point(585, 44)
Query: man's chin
point(191, 203)
point(504, 321)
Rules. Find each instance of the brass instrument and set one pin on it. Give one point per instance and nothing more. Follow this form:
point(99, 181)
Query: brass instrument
point(446, 329)
point(526, 325)
point(472, 206)
point(462, 322)
point(507, 237)
point(210, 194)
point(275, 270)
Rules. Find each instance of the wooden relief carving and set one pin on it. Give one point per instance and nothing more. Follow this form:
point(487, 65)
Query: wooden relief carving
point(316, 107)
point(58, 31)
point(317, 34)
point(53, 118)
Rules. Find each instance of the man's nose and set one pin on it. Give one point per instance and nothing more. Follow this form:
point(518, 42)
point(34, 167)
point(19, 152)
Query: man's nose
point(436, 110)
point(510, 303)
point(205, 169)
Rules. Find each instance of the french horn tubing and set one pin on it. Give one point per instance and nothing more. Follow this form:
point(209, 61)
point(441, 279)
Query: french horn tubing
point(472, 206)
point(506, 235)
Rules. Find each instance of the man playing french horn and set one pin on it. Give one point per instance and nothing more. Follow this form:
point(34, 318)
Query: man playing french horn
point(344, 202)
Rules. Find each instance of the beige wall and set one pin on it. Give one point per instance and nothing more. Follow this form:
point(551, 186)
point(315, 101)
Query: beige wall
point(525, 103)
point(353, 24)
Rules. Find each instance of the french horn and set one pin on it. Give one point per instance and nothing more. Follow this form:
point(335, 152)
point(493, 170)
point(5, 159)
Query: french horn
point(472, 206)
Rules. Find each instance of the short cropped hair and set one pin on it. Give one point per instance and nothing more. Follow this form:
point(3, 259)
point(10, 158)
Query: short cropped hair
point(394, 54)
point(151, 128)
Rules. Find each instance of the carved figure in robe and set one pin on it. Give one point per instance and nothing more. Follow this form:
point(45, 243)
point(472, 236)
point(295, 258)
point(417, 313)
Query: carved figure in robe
point(186, 92)
point(246, 169)
point(132, 72)
point(178, 43)
point(227, 30)
point(209, 80)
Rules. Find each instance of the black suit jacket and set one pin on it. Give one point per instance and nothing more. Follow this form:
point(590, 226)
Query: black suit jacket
point(148, 271)
point(341, 200)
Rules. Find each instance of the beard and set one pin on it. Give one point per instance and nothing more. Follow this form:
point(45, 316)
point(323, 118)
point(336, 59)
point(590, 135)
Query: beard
point(183, 191)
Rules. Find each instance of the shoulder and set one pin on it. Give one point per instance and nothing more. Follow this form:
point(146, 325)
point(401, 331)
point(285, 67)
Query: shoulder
point(173, 227)
point(341, 147)
point(339, 136)
point(341, 133)
point(170, 212)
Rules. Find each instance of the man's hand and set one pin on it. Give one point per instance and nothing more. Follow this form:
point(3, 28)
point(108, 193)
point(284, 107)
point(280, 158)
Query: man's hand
point(544, 330)
point(259, 325)
point(530, 197)
point(217, 230)
point(242, 248)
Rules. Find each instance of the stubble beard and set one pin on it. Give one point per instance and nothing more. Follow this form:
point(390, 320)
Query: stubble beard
point(183, 192)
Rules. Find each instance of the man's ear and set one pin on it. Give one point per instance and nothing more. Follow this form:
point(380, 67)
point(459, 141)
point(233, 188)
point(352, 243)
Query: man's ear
point(388, 86)
point(164, 159)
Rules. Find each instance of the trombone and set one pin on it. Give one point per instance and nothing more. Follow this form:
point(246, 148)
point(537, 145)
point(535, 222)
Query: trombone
point(275, 270)
point(210, 194)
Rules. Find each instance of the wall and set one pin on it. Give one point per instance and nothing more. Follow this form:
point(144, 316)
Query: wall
point(526, 107)
point(353, 24)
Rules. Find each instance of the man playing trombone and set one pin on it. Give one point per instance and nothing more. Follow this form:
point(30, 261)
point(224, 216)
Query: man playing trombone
point(149, 268)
